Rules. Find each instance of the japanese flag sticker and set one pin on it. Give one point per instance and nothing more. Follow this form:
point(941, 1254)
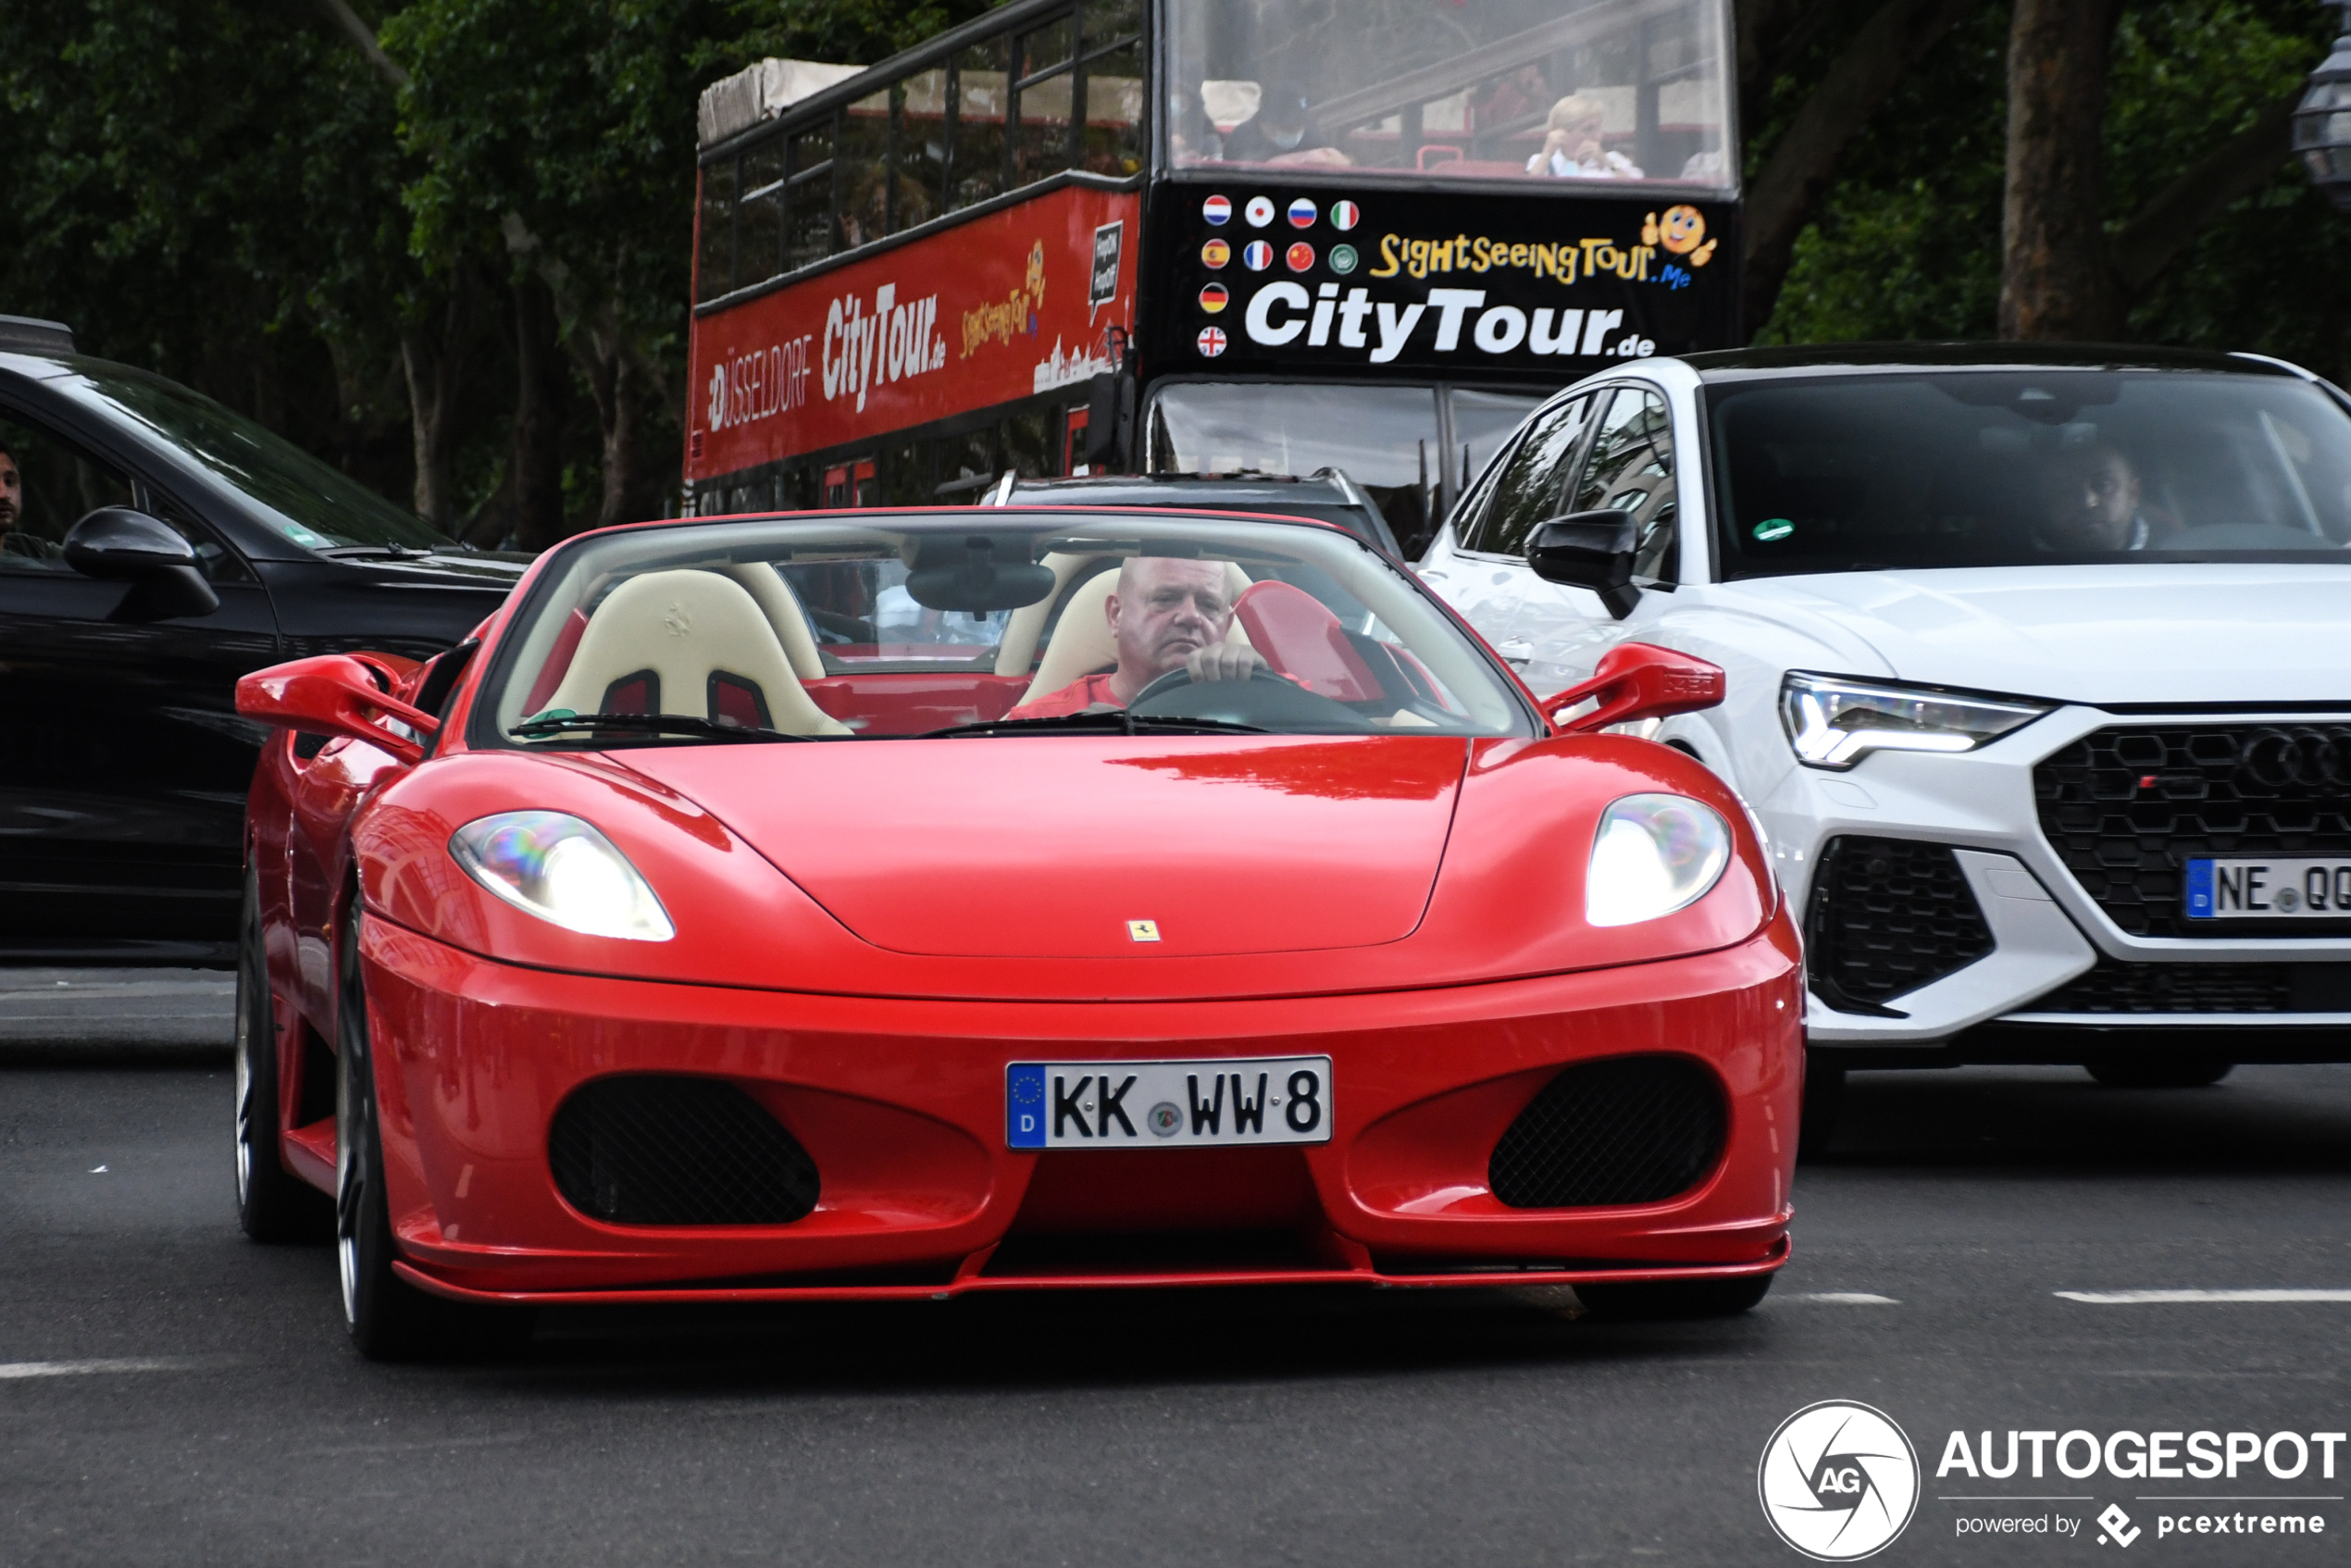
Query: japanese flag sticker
point(1260, 211)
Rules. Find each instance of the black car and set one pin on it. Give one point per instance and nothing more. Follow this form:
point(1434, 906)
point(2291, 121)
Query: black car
point(1326, 497)
point(154, 547)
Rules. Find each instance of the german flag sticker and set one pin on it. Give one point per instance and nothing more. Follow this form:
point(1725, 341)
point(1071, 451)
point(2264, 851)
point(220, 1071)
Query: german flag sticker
point(1214, 297)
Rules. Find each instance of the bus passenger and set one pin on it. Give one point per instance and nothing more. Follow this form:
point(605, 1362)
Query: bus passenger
point(1572, 148)
point(1282, 131)
point(1166, 614)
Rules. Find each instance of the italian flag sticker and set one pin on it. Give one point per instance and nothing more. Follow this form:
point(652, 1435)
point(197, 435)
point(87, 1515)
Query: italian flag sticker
point(1345, 215)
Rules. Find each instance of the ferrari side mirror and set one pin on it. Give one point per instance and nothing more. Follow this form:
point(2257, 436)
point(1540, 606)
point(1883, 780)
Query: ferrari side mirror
point(1637, 680)
point(346, 694)
point(1592, 550)
point(118, 544)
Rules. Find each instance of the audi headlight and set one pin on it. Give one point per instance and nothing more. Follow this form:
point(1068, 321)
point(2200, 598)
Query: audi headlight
point(561, 869)
point(1834, 723)
point(1653, 854)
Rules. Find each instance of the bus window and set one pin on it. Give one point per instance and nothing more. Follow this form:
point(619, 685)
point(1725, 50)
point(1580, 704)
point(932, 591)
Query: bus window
point(851, 484)
point(1624, 90)
point(1382, 437)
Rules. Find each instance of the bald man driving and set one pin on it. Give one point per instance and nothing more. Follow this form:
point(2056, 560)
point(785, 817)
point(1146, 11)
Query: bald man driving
point(1166, 614)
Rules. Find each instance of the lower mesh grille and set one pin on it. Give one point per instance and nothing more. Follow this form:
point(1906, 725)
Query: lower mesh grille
point(649, 1149)
point(2115, 985)
point(1888, 916)
point(1630, 1129)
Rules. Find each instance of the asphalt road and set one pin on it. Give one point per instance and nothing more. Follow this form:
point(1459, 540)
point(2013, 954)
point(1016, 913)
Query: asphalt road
point(169, 1393)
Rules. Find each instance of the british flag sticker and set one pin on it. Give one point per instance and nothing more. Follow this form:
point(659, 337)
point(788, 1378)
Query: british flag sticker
point(1212, 341)
point(1218, 210)
point(1257, 256)
point(1345, 216)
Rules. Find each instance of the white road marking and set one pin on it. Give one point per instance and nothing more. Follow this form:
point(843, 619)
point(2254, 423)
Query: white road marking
point(2167, 1298)
point(84, 1368)
point(1845, 1299)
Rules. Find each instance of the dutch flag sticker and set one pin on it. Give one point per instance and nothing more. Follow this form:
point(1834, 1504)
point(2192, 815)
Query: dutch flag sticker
point(1212, 341)
point(1257, 256)
point(1301, 214)
point(1218, 210)
point(1345, 216)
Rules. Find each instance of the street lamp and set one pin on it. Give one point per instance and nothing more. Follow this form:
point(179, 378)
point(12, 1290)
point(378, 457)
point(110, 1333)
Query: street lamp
point(2322, 121)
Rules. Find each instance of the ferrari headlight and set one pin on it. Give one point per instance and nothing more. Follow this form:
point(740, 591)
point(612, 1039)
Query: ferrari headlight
point(561, 869)
point(1653, 854)
point(1834, 723)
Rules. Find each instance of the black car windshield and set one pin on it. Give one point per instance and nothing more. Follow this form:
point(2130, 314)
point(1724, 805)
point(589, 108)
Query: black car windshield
point(2021, 468)
point(993, 622)
point(309, 503)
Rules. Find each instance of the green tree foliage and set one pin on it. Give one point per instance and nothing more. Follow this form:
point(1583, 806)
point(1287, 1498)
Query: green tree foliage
point(1908, 242)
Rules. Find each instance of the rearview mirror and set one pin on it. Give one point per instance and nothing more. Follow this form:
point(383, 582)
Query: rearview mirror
point(347, 694)
point(118, 544)
point(1637, 680)
point(1592, 550)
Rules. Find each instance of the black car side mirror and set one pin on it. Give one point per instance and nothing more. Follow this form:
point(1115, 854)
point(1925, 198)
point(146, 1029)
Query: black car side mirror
point(1592, 550)
point(118, 544)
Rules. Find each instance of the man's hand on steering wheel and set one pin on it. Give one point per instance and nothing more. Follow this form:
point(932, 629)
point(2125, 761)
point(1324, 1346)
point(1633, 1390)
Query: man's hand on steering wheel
point(1224, 661)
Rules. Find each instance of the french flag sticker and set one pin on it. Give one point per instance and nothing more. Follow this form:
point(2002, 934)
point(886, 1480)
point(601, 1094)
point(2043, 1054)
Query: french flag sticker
point(1345, 216)
point(1257, 256)
point(1218, 210)
point(1301, 214)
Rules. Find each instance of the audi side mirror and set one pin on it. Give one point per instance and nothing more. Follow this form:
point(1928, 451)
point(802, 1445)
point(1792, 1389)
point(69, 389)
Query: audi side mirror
point(118, 544)
point(1592, 550)
point(346, 694)
point(1637, 680)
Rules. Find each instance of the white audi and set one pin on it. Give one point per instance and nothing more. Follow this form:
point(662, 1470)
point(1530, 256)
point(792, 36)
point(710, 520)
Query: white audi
point(2039, 673)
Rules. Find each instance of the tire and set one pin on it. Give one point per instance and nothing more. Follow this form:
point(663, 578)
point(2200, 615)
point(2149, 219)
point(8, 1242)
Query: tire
point(389, 1319)
point(2161, 1072)
point(273, 1204)
point(1823, 1105)
point(1665, 1299)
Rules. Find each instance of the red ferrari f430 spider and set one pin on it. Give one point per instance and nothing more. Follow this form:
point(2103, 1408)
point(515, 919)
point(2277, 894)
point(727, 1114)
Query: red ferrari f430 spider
point(915, 904)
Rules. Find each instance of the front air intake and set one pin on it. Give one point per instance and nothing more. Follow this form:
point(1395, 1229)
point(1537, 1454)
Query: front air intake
point(657, 1149)
point(1629, 1129)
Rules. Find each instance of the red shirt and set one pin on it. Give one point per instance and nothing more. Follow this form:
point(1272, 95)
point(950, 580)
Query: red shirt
point(1076, 697)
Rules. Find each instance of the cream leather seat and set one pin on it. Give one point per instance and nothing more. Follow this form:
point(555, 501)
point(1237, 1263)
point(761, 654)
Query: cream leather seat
point(1082, 643)
point(785, 616)
point(698, 643)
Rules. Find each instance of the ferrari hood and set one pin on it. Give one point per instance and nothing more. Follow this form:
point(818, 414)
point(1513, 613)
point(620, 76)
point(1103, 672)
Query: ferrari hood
point(1087, 847)
point(2151, 633)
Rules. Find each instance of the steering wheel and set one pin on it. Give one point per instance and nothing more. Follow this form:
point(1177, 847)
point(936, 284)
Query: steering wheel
point(1266, 700)
point(1178, 678)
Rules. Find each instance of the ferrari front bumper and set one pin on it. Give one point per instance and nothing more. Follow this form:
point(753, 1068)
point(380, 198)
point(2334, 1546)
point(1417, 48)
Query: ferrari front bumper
point(901, 1105)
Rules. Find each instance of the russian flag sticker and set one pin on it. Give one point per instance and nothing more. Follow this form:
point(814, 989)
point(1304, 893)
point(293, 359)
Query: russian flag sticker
point(1217, 210)
point(1301, 257)
point(1260, 211)
point(1213, 297)
point(1345, 216)
point(1212, 341)
point(1301, 214)
point(1257, 256)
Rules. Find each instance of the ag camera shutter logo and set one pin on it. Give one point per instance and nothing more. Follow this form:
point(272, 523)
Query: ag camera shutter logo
point(1838, 1481)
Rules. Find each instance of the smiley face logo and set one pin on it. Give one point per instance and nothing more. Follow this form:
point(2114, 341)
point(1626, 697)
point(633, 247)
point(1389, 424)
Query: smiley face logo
point(1680, 232)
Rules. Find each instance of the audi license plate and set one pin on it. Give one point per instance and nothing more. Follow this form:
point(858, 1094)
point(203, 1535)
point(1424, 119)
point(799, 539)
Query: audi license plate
point(1167, 1104)
point(2273, 888)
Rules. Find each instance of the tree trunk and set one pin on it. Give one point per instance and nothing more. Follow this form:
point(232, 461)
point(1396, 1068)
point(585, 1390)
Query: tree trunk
point(435, 365)
point(1788, 188)
point(2058, 279)
point(537, 460)
point(618, 381)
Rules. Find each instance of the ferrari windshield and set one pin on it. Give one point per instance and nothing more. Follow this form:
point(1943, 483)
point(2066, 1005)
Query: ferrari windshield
point(995, 621)
point(2022, 467)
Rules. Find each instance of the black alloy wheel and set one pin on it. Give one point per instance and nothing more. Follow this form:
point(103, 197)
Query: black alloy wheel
point(273, 1204)
point(1655, 1300)
point(2159, 1071)
point(389, 1318)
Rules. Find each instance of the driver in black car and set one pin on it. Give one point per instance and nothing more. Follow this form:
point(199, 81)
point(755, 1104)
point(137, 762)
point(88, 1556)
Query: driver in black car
point(1167, 613)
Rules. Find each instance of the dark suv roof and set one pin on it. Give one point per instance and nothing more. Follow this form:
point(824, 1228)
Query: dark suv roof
point(1728, 364)
point(1327, 497)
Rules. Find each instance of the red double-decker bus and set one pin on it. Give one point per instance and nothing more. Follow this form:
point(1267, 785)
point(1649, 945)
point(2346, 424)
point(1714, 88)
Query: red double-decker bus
point(1268, 236)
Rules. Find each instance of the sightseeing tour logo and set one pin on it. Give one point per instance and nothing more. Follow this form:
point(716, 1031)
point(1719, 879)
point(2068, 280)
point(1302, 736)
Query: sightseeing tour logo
point(1838, 1481)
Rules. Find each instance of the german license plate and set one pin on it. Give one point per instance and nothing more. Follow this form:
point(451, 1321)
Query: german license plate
point(1167, 1104)
point(2271, 888)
